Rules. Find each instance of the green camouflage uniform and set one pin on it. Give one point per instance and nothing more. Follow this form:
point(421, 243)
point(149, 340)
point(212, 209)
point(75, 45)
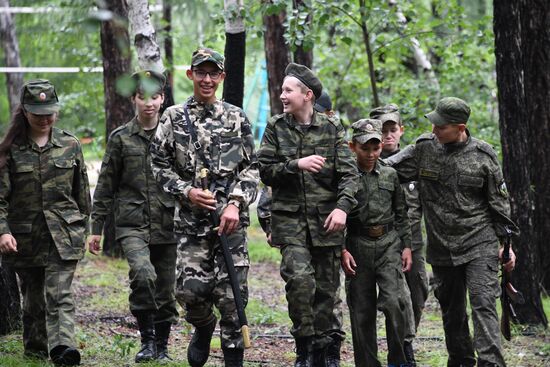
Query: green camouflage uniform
point(225, 137)
point(144, 220)
point(44, 204)
point(417, 279)
point(466, 208)
point(301, 203)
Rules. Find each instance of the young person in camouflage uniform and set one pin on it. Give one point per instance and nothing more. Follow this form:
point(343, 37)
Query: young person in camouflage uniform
point(144, 217)
point(306, 161)
point(377, 252)
point(205, 132)
point(466, 211)
point(417, 281)
point(44, 208)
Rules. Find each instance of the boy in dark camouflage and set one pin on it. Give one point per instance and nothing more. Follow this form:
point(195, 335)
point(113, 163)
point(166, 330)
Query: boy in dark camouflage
point(304, 158)
point(143, 216)
point(377, 252)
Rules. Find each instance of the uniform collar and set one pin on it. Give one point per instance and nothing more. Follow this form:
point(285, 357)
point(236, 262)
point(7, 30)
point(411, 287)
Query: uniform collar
point(375, 170)
point(453, 147)
point(55, 137)
point(213, 110)
point(316, 120)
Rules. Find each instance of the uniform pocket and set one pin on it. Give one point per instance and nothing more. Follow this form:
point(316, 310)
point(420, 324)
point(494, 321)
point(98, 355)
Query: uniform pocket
point(23, 180)
point(230, 152)
point(129, 213)
point(167, 220)
point(64, 172)
point(328, 154)
point(22, 232)
point(76, 228)
point(133, 159)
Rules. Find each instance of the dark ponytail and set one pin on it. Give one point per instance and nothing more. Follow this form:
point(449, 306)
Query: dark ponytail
point(17, 129)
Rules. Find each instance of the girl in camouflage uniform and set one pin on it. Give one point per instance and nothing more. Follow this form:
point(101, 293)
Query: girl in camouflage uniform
point(44, 208)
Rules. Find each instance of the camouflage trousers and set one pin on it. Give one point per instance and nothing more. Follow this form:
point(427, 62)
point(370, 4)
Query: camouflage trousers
point(312, 276)
point(203, 282)
point(152, 278)
point(417, 288)
point(479, 278)
point(48, 307)
point(378, 263)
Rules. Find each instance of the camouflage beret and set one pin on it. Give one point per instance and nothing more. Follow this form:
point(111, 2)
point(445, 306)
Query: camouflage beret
point(39, 97)
point(149, 81)
point(203, 54)
point(386, 113)
point(306, 76)
point(367, 129)
point(450, 110)
point(323, 103)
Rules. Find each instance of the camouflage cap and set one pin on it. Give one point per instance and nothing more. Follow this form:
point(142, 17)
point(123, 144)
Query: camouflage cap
point(323, 103)
point(38, 97)
point(449, 110)
point(203, 54)
point(366, 129)
point(306, 76)
point(149, 81)
point(386, 113)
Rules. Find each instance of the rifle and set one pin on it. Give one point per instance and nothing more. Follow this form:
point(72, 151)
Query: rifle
point(509, 295)
point(233, 279)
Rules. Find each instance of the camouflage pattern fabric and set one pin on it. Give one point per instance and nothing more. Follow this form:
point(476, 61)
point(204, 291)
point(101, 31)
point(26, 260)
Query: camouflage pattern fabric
point(303, 200)
point(226, 139)
point(264, 209)
point(462, 184)
point(49, 182)
point(126, 185)
point(381, 201)
point(152, 278)
point(203, 281)
point(312, 276)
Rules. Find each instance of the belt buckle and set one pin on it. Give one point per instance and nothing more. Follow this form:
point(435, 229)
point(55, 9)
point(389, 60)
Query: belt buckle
point(375, 231)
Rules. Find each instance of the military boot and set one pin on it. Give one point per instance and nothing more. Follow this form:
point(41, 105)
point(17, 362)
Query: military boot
point(199, 346)
point(409, 353)
point(233, 357)
point(147, 332)
point(333, 354)
point(162, 333)
point(63, 355)
point(304, 355)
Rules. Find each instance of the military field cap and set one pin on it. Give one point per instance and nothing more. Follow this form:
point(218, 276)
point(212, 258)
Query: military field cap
point(203, 54)
point(38, 97)
point(449, 110)
point(323, 103)
point(367, 129)
point(149, 81)
point(386, 113)
point(306, 76)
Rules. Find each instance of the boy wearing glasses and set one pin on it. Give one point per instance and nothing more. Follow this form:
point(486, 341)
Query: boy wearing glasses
point(206, 132)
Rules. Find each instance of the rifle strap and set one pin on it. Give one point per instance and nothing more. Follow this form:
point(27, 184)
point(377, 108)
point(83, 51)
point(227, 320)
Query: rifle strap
point(194, 139)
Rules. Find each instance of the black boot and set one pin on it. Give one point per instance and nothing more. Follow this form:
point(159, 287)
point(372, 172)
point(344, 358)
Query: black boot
point(409, 353)
point(63, 355)
point(199, 346)
point(162, 333)
point(147, 332)
point(304, 356)
point(233, 357)
point(319, 357)
point(333, 354)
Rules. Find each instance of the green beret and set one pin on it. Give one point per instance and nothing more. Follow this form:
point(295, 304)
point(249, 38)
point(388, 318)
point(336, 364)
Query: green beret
point(149, 81)
point(306, 76)
point(203, 54)
point(367, 129)
point(38, 97)
point(386, 113)
point(449, 110)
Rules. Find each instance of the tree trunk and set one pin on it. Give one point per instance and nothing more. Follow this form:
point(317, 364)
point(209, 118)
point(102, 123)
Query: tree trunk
point(10, 303)
point(169, 53)
point(366, 40)
point(276, 56)
point(301, 55)
point(14, 81)
point(235, 51)
point(524, 122)
point(115, 48)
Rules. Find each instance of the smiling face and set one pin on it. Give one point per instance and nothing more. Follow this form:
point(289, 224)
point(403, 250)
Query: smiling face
point(367, 154)
point(147, 108)
point(206, 77)
point(294, 95)
point(391, 135)
point(40, 124)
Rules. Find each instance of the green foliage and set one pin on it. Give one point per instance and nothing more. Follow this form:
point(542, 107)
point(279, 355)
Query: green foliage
point(122, 345)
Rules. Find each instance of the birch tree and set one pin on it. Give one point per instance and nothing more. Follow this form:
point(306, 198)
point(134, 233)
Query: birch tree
point(10, 46)
point(235, 52)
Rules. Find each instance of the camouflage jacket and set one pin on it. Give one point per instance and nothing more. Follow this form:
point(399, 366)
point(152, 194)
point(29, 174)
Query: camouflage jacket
point(126, 185)
point(380, 200)
point(226, 139)
point(463, 195)
point(302, 200)
point(414, 208)
point(49, 182)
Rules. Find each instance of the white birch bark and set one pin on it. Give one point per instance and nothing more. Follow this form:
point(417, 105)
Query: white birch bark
point(8, 38)
point(234, 22)
point(144, 35)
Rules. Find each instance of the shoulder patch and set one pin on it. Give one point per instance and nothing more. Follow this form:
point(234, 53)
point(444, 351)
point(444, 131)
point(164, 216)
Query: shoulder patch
point(273, 119)
point(117, 130)
point(486, 148)
point(424, 137)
